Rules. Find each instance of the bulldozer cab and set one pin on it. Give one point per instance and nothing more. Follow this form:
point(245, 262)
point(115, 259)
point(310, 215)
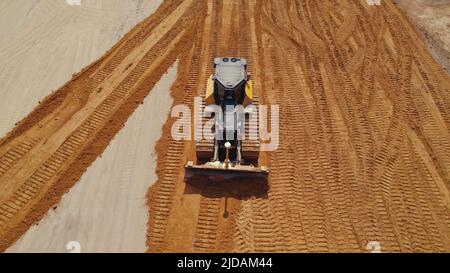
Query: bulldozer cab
point(230, 77)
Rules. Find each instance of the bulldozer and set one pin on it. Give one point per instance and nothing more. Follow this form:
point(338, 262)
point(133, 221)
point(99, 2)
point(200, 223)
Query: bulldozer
point(231, 154)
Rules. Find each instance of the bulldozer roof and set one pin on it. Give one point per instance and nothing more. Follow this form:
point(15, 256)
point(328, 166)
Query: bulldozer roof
point(230, 71)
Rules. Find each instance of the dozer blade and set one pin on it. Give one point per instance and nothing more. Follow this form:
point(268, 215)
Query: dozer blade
point(219, 175)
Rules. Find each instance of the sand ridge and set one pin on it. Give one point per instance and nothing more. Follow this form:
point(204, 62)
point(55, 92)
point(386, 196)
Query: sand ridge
point(364, 139)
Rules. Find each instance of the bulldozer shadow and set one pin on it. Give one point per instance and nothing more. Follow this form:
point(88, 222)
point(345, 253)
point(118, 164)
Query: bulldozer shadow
point(240, 189)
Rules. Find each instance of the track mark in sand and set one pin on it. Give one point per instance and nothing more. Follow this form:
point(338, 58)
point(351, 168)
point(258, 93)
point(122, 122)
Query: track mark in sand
point(346, 29)
point(205, 238)
point(355, 204)
point(14, 154)
point(170, 160)
point(91, 117)
point(127, 44)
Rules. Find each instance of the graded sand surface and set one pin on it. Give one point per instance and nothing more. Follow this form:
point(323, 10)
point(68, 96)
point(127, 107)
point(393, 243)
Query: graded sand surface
point(364, 141)
point(44, 42)
point(106, 210)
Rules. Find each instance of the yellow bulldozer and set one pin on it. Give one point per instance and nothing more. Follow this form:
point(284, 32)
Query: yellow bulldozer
point(232, 153)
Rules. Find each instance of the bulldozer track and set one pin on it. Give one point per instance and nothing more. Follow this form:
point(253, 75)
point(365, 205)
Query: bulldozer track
point(364, 137)
point(14, 154)
point(348, 236)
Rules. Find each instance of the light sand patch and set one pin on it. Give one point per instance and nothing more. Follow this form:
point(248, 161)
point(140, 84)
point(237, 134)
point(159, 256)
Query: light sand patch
point(106, 210)
point(432, 19)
